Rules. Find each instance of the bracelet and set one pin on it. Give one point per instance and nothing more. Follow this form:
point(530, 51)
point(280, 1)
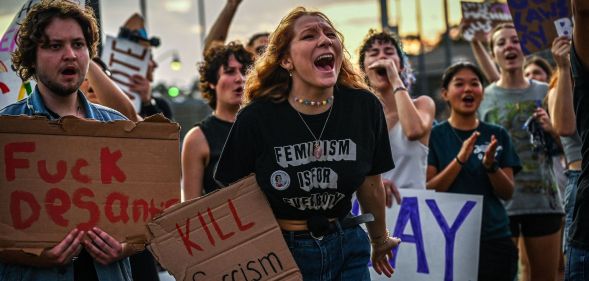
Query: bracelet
point(458, 161)
point(401, 88)
point(375, 241)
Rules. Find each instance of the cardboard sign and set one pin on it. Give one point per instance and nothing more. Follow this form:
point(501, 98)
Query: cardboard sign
point(59, 175)
point(440, 234)
point(125, 58)
point(478, 19)
point(535, 22)
point(230, 234)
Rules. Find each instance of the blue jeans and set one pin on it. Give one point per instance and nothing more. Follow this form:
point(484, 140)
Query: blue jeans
point(342, 255)
point(570, 192)
point(577, 268)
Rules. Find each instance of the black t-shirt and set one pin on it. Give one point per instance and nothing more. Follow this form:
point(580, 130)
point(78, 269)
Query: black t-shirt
point(216, 132)
point(446, 142)
point(271, 140)
point(579, 228)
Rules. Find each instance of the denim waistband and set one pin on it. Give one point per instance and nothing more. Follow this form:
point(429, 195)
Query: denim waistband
point(335, 226)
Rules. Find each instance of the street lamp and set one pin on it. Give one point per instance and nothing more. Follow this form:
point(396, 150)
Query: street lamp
point(175, 63)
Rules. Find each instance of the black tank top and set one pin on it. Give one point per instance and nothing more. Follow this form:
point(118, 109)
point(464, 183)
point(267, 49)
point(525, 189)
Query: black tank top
point(216, 132)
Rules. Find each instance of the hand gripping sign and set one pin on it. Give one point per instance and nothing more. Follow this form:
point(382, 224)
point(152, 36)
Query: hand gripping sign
point(124, 59)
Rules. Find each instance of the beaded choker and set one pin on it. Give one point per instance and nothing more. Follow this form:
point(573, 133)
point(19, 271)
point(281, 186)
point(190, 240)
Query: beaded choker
point(314, 103)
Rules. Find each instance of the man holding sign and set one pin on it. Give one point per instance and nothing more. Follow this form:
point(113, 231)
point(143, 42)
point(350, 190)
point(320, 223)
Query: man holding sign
point(55, 44)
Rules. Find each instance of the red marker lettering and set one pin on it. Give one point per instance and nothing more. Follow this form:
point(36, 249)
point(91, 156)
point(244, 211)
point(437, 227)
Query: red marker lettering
point(137, 204)
point(171, 202)
point(129, 51)
point(54, 210)
point(206, 228)
point(240, 225)
point(114, 73)
point(16, 198)
point(189, 244)
point(218, 228)
point(88, 205)
point(123, 204)
point(49, 178)
point(112, 61)
point(108, 166)
point(77, 171)
point(11, 163)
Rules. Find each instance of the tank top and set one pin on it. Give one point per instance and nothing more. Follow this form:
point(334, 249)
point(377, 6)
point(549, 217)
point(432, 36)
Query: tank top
point(572, 147)
point(216, 132)
point(410, 160)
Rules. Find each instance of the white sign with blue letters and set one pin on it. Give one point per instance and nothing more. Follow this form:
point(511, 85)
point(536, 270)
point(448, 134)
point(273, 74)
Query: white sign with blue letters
point(440, 234)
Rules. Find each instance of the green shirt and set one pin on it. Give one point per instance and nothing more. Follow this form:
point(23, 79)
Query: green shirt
point(536, 190)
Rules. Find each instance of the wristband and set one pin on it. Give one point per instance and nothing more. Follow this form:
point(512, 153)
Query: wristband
point(493, 168)
point(458, 161)
point(401, 88)
point(380, 240)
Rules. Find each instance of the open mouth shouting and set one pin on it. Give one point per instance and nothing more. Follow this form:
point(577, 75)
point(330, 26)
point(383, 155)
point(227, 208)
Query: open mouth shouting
point(510, 56)
point(325, 62)
point(381, 71)
point(69, 72)
point(468, 100)
point(238, 91)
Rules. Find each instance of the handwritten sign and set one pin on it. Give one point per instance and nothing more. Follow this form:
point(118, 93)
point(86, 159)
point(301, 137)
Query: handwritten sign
point(440, 234)
point(535, 20)
point(82, 173)
point(125, 58)
point(230, 234)
point(478, 19)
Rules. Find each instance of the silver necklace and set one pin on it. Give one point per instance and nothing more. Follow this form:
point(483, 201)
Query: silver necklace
point(460, 140)
point(317, 151)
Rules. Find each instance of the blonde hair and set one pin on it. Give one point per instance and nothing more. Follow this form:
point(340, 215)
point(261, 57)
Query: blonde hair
point(269, 80)
point(497, 28)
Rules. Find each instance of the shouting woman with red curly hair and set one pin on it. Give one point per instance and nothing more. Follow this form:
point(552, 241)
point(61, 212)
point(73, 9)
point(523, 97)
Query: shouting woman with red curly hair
point(314, 135)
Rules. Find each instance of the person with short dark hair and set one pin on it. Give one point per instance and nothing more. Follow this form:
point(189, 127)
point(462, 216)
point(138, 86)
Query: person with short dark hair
point(222, 79)
point(56, 41)
point(409, 121)
point(474, 157)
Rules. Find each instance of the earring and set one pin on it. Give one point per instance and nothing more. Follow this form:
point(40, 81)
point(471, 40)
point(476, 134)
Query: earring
point(290, 73)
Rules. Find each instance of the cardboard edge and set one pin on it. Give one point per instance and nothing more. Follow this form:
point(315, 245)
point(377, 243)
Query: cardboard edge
point(32, 251)
point(153, 127)
point(175, 208)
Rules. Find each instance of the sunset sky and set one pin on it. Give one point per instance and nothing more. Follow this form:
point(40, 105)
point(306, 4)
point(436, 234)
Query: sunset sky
point(176, 23)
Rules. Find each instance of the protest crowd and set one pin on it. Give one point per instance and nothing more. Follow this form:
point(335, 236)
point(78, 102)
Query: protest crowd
point(335, 147)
